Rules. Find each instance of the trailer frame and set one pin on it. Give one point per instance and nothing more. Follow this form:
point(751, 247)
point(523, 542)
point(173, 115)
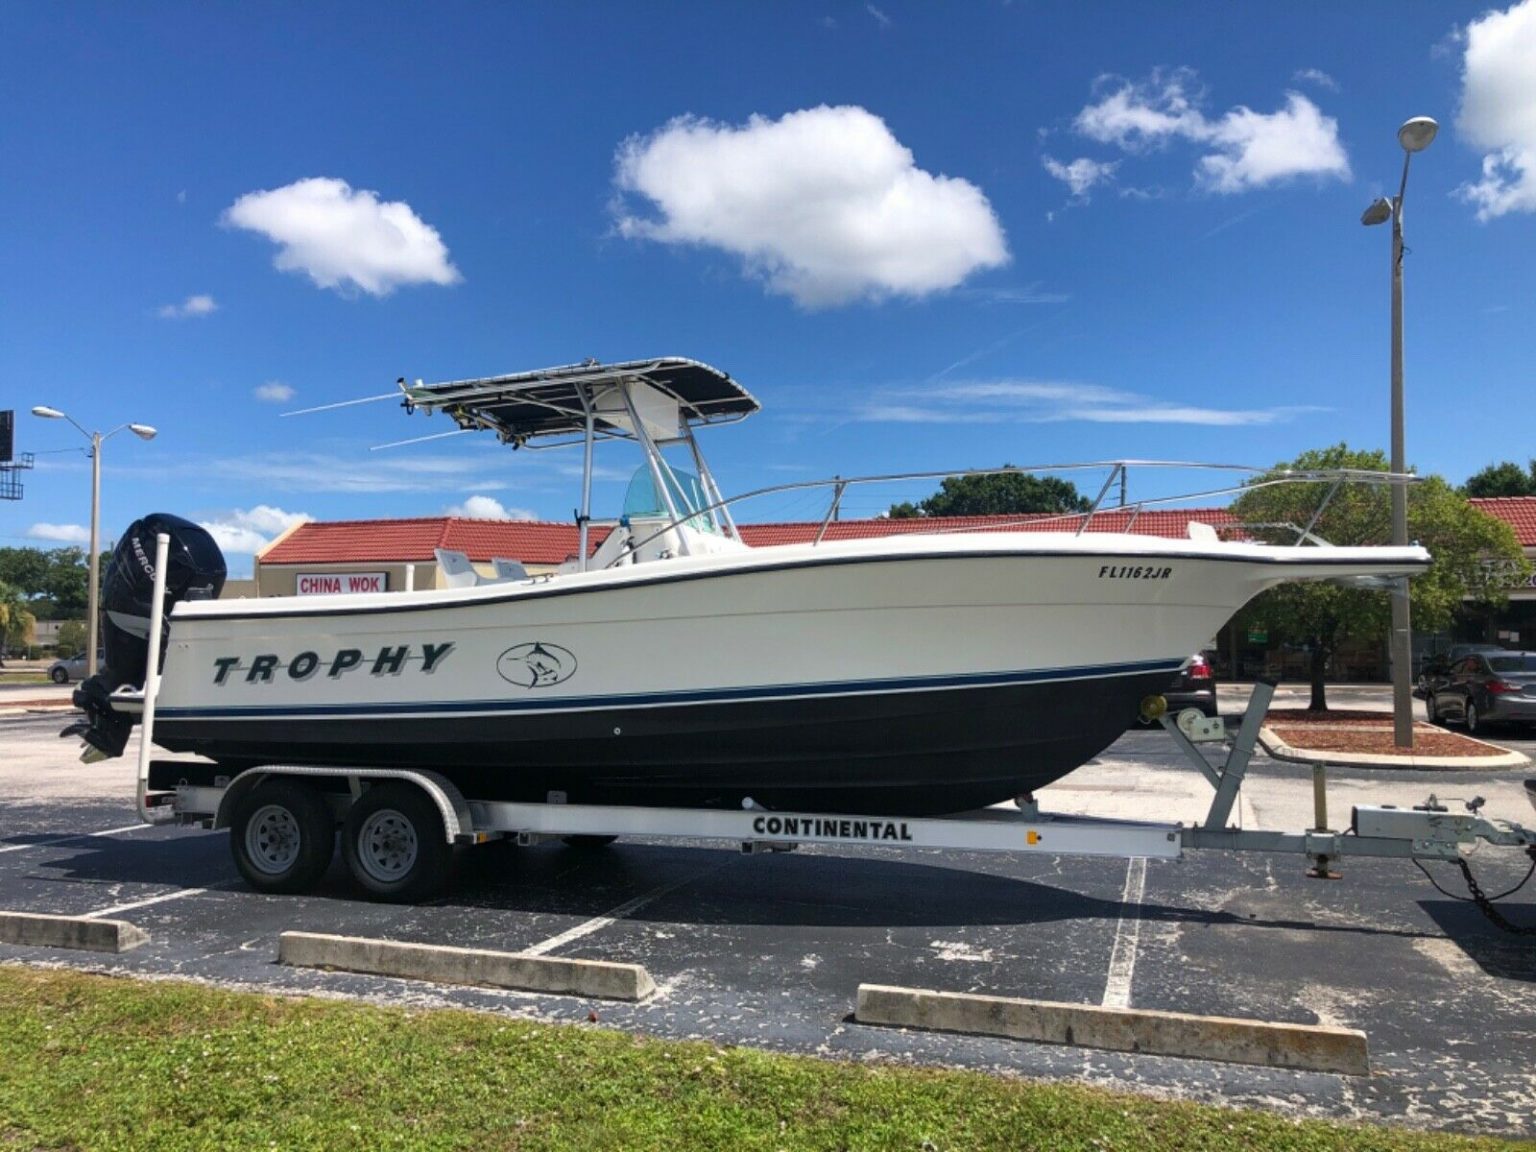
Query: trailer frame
point(395, 852)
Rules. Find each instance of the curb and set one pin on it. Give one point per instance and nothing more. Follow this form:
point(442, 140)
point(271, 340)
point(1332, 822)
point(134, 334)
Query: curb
point(36, 930)
point(1313, 1048)
point(599, 979)
point(1280, 750)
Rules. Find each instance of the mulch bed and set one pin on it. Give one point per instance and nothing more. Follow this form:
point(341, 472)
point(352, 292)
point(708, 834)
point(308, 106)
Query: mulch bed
point(1369, 733)
point(1335, 716)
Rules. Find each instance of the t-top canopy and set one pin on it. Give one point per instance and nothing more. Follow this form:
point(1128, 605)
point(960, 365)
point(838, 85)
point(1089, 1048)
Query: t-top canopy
point(556, 401)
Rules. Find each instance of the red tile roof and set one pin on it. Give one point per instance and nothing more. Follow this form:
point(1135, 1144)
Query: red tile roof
point(1519, 512)
point(538, 542)
point(410, 541)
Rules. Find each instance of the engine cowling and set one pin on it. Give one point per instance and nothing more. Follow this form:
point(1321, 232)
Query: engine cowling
point(195, 570)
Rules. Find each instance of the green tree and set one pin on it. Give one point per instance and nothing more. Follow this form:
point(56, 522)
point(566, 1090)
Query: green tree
point(52, 582)
point(72, 638)
point(16, 621)
point(1505, 478)
point(66, 583)
point(1474, 555)
point(24, 569)
point(996, 494)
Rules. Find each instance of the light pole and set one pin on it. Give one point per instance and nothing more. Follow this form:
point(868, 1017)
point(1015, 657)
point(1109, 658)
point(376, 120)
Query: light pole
point(1414, 136)
point(93, 573)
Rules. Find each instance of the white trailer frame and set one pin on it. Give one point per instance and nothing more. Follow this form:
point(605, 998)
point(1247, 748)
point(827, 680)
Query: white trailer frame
point(1425, 832)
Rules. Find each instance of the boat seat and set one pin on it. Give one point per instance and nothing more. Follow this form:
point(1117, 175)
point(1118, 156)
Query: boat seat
point(508, 569)
point(611, 550)
point(458, 572)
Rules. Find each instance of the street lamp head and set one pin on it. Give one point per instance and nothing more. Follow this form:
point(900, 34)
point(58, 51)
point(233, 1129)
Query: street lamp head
point(1379, 212)
point(47, 413)
point(1417, 134)
point(142, 431)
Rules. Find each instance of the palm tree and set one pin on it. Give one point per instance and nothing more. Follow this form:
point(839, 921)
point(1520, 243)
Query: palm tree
point(16, 620)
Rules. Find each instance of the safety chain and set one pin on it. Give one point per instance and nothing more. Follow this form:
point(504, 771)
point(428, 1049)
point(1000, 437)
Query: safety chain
point(1486, 906)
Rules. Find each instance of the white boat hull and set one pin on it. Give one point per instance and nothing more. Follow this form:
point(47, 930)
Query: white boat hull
point(920, 674)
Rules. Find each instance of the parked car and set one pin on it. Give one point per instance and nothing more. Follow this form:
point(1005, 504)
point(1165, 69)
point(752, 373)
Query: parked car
point(1193, 687)
point(1486, 688)
point(1437, 668)
point(64, 671)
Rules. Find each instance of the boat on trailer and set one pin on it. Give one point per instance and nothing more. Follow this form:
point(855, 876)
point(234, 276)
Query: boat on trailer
point(672, 665)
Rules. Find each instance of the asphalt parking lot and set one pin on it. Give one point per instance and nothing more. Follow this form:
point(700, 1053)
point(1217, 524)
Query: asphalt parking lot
point(769, 950)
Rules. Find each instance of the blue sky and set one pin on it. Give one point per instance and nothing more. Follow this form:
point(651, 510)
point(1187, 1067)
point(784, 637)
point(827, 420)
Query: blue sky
point(925, 236)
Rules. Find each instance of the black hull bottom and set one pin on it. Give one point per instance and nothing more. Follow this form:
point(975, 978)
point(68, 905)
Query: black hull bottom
point(914, 753)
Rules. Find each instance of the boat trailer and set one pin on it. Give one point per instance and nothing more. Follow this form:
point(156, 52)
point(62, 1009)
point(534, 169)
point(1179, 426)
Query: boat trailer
point(399, 825)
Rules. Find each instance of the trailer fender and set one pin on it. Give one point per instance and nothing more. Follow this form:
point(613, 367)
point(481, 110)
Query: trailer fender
point(458, 825)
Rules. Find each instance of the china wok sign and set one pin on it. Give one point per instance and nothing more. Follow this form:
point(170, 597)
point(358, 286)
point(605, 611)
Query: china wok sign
point(337, 583)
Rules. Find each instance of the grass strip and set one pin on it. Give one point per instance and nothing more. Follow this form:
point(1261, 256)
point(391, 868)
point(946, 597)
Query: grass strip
point(95, 1062)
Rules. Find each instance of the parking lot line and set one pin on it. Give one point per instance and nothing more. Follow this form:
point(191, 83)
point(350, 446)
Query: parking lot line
point(598, 923)
point(161, 899)
point(52, 840)
point(1122, 958)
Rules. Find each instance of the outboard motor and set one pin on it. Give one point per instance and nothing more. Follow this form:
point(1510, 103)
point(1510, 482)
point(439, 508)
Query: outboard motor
point(195, 570)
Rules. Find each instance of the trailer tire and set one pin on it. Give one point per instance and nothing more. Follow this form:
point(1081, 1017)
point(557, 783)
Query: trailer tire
point(395, 845)
point(283, 836)
point(585, 843)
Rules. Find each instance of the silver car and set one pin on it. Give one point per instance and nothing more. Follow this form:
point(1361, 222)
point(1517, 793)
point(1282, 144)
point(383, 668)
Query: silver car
point(1486, 688)
point(64, 671)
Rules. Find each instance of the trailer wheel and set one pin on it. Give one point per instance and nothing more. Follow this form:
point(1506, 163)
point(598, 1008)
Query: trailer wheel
point(394, 843)
point(283, 837)
point(588, 842)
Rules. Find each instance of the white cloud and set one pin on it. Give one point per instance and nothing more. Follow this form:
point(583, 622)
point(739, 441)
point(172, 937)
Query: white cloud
point(1256, 148)
point(1032, 293)
point(273, 392)
point(1246, 149)
point(487, 508)
point(1316, 76)
point(191, 306)
point(61, 533)
point(309, 472)
point(1053, 402)
point(1135, 117)
point(1498, 109)
point(824, 205)
point(1081, 174)
point(247, 531)
point(340, 237)
point(880, 17)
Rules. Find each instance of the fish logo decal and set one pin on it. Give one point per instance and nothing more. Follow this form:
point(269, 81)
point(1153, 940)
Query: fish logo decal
point(536, 665)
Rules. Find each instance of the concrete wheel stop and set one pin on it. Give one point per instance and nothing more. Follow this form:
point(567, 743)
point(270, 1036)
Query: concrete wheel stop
point(1306, 1047)
point(598, 979)
point(37, 930)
